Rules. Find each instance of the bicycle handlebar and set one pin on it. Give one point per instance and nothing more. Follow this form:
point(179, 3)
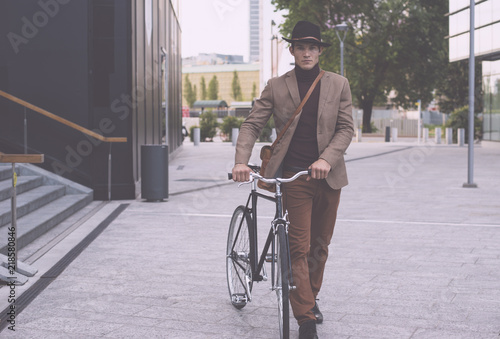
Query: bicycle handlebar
point(274, 180)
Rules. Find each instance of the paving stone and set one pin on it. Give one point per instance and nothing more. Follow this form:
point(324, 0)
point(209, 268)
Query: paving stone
point(414, 255)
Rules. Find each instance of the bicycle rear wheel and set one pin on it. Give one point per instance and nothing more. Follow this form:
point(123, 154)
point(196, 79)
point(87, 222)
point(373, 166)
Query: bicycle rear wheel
point(282, 283)
point(240, 242)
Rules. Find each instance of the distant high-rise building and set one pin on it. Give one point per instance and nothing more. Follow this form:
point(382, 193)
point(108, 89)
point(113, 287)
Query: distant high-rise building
point(255, 31)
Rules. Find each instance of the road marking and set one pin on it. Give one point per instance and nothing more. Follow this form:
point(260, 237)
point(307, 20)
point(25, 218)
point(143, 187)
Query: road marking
point(427, 223)
point(417, 223)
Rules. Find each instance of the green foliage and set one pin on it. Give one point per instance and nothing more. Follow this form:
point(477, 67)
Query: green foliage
point(254, 91)
point(208, 125)
point(452, 90)
point(236, 87)
point(189, 92)
point(459, 118)
point(265, 135)
point(228, 123)
point(213, 89)
point(390, 45)
point(203, 88)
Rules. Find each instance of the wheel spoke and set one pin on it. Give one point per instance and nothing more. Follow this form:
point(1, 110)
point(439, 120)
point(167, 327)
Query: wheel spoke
point(238, 266)
point(282, 285)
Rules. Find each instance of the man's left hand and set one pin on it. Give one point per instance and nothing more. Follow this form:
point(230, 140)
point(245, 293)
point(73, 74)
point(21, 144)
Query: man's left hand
point(319, 169)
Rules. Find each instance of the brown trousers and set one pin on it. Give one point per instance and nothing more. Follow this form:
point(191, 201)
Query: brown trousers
point(312, 211)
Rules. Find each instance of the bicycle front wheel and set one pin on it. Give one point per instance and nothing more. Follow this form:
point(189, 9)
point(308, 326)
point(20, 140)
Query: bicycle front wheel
point(238, 263)
point(282, 282)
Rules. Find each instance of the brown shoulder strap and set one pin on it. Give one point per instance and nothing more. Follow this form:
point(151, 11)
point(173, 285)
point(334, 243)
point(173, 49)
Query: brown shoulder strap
point(297, 111)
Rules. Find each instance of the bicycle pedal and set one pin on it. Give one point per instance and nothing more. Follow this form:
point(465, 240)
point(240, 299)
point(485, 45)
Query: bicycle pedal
point(269, 257)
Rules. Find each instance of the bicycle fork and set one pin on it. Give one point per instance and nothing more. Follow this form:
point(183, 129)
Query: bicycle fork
point(275, 225)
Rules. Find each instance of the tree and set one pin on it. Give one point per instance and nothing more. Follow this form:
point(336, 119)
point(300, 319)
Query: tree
point(452, 91)
point(213, 89)
point(208, 125)
point(254, 90)
point(459, 118)
point(189, 93)
point(228, 123)
point(391, 45)
point(203, 88)
point(236, 87)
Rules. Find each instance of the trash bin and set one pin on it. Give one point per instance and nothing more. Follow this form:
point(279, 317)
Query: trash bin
point(154, 172)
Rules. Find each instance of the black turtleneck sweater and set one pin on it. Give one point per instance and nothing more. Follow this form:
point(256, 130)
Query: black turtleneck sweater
point(303, 149)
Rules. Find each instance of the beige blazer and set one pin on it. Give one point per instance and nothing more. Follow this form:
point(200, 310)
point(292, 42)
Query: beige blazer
point(280, 98)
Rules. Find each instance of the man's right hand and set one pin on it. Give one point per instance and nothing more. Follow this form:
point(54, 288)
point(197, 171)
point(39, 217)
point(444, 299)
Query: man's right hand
point(241, 172)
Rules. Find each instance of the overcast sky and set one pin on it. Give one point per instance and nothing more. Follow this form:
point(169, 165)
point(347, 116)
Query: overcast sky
point(219, 26)
point(222, 26)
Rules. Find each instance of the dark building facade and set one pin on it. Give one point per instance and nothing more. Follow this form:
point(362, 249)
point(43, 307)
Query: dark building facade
point(106, 65)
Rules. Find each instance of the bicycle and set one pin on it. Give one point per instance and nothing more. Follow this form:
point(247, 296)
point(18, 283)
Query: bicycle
point(244, 266)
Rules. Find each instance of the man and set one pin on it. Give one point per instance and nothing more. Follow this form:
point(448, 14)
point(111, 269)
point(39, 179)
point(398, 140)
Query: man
point(317, 139)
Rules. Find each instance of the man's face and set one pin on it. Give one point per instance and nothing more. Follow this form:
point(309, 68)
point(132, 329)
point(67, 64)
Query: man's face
point(306, 54)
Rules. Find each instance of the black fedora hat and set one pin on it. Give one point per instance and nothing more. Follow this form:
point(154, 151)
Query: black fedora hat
point(306, 31)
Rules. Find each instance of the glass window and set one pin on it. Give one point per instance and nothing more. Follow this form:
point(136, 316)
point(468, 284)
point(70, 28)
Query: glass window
point(484, 40)
point(459, 47)
point(482, 14)
point(495, 9)
point(455, 5)
point(459, 22)
point(491, 88)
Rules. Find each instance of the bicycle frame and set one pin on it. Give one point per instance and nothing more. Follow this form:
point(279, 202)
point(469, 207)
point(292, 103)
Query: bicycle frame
point(243, 263)
point(256, 263)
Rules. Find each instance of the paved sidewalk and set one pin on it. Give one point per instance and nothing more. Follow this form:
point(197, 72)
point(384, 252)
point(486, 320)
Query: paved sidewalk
point(414, 255)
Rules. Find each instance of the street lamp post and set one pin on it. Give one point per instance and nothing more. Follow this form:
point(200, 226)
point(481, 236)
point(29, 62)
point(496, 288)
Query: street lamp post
point(472, 61)
point(341, 28)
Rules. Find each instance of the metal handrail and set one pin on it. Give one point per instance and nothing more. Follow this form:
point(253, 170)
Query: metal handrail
point(72, 125)
point(12, 231)
point(61, 120)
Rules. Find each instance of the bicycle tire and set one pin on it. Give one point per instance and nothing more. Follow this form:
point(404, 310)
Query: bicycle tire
point(282, 283)
point(240, 242)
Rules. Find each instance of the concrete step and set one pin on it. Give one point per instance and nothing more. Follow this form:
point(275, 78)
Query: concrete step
point(24, 184)
point(36, 223)
point(43, 199)
point(30, 201)
point(5, 171)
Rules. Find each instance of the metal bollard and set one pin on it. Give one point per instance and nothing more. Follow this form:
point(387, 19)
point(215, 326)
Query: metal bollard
point(196, 136)
point(387, 133)
point(461, 136)
point(438, 135)
point(359, 134)
point(394, 134)
point(234, 135)
point(449, 135)
point(426, 134)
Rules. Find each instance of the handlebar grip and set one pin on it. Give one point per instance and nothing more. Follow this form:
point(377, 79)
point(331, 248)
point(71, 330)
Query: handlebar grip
point(230, 176)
